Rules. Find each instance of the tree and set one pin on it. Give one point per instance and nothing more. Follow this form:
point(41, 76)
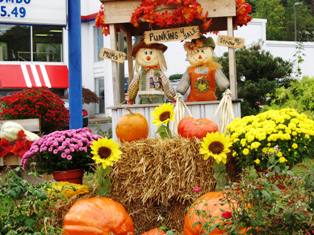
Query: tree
point(259, 74)
point(283, 15)
point(274, 12)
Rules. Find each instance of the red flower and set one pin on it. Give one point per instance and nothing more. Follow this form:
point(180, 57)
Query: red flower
point(226, 214)
point(197, 189)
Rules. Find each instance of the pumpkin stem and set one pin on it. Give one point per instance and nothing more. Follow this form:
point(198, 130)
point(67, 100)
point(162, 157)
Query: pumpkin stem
point(130, 111)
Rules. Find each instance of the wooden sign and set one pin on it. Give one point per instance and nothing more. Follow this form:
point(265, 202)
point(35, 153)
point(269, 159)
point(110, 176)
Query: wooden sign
point(229, 41)
point(168, 35)
point(117, 56)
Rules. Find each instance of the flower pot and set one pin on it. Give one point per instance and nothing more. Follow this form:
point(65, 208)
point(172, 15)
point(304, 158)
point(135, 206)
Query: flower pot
point(73, 176)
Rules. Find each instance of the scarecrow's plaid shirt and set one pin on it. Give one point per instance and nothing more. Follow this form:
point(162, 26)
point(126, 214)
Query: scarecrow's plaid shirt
point(151, 81)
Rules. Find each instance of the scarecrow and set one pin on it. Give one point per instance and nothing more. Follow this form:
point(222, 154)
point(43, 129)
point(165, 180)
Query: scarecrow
point(204, 74)
point(150, 82)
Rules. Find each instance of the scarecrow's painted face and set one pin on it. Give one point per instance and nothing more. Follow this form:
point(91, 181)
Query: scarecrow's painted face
point(199, 55)
point(147, 57)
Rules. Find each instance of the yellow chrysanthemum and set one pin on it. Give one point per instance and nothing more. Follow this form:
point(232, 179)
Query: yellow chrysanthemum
point(294, 146)
point(163, 114)
point(246, 151)
point(282, 160)
point(67, 189)
point(257, 161)
point(105, 152)
point(215, 145)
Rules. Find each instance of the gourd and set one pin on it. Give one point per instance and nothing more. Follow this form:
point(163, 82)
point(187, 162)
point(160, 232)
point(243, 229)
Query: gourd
point(191, 127)
point(154, 231)
point(210, 204)
point(132, 126)
point(97, 216)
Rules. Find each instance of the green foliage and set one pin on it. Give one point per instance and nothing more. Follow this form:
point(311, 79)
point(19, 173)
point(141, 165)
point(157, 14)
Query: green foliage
point(274, 12)
point(299, 95)
point(27, 209)
point(259, 73)
point(282, 15)
point(271, 203)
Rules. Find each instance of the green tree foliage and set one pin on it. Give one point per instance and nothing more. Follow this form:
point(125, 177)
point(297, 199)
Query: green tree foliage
point(282, 15)
point(299, 95)
point(259, 74)
point(274, 12)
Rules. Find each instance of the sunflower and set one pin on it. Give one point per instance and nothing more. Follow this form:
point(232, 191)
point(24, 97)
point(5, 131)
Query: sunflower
point(163, 114)
point(105, 152)
point(215, 145)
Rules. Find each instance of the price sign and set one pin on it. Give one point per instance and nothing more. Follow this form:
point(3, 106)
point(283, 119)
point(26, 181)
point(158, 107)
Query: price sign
point(229, 41)
point(117, 56)
point(50, 12)
point(175, 34)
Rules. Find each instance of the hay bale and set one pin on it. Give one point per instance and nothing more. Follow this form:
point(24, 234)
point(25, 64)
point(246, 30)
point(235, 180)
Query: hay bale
point(156, 176)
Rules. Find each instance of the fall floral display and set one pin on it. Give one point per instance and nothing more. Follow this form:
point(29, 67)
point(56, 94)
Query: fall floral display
point(105, 152)
point(36, 103)
point(184, 12)
point(61, 150)
point(215, 145)
point(169, 13)
point(243, 11)
point(282, 136)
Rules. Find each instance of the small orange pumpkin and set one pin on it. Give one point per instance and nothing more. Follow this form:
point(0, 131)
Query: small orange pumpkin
point(97, 216)
point(192, 127)
point(132, 126)
point(154, 231)
point(210, 203)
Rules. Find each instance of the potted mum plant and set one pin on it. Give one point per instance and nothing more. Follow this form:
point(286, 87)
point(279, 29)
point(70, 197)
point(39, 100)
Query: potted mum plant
point(65, 154)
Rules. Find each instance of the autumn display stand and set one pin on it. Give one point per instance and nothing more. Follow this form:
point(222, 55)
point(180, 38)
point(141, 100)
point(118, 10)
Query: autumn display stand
point(158, 179)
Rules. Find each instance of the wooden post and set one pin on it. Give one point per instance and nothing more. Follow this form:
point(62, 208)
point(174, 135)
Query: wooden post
point(121, 66)
point(130, 59)
point(115, 67)
point(232, 62)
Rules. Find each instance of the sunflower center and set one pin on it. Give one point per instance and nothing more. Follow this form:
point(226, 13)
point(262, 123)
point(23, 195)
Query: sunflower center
point(216, 147)
point(104, 152)
point(164, 116)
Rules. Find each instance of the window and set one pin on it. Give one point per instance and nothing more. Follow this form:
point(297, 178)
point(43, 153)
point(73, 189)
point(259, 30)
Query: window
point(47, 43)
point(100, 92)
point(15, 43)
point(98, 43)
point(31, 43)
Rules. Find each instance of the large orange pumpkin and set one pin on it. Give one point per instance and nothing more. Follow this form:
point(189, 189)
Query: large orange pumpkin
point(210, 203)
point(191, 127)
point(97, 216)
point(132, 126)
point(154, 231)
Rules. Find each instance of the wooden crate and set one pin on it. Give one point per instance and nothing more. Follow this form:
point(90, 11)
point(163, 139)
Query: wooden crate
point(198, 110)
point(118, 12)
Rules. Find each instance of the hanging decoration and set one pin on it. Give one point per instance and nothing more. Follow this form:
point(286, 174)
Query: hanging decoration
point(169, 13)
point(100, 21)
point(243, 11)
